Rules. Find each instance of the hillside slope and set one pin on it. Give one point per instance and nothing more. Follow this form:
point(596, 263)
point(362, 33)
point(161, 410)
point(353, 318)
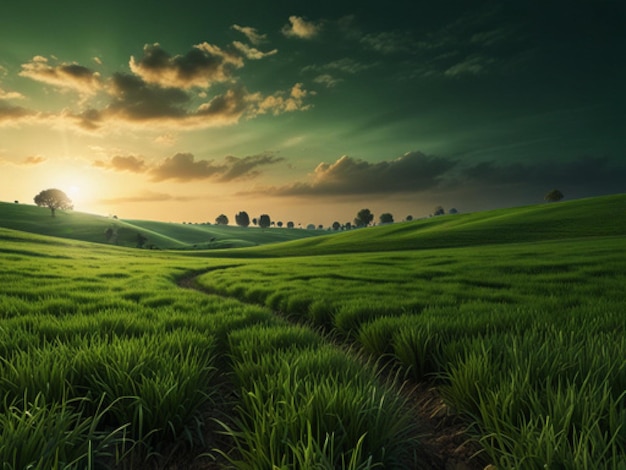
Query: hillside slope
point(91, 228)
point(592, 217)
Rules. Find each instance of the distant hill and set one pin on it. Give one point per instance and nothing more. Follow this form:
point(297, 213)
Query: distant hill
point(91, 228)
point(582, 218)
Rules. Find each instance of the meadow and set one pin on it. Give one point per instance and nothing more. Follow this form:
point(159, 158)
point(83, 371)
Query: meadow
point(304, 354)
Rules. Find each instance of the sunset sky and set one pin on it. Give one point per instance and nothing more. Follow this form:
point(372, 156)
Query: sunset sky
point(310, 111)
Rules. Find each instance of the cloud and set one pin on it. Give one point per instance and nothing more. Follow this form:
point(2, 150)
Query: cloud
point(301, 28)
point(10, 95)
point(412, 172)
point(251, 33)
point(389, 42)
point(327, 80)
point(183, 167)
point(13, 114)
point(282, 102)
point(34, 160)
point(203, 66)
point(134, 101)
point(243, 168)
point(121, 163)
point(147, 196)
point(473, 65)
point(345, 65)
point(252, 53)
point(67, 76)
point(167, 139)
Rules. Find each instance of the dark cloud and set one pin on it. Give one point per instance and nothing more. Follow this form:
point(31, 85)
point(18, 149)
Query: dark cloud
point(240, 168)
point(68, 76)
point(584, 172)
point(183, 167)
point(201, 67)
point(137, 100)
point(411, 172)
point(123, 163)
point(10, 114)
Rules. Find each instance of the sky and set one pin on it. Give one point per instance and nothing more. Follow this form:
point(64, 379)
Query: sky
point(310, 111)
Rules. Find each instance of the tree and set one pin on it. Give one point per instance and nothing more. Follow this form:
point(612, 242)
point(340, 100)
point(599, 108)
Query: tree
point(348, 225)
point(290, 224)
point(310, 227)
point(280, 224)
point(221, 220)
point(409, 218)
point(453, 211)
point(336, 226)
point(264, 221)
point(386, 218)
point(255, 221)
point(363, 218)
point(554, 196)
point(53, 199)
point(439, 211)
point(242, 219)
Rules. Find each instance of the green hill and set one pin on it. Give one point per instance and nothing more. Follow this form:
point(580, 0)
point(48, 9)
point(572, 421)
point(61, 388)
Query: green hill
point(592, 217)
point(91, 228)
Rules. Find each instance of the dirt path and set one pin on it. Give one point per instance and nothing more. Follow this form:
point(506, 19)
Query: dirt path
point(445, 441)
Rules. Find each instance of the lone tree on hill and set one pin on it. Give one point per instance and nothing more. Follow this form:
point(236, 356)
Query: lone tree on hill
point(242, 219)
point(264, 221)
point(290, 224)
point(53, 199)
point(554, 196)
point(363, 218)
point(221, 220)
point(336, 226)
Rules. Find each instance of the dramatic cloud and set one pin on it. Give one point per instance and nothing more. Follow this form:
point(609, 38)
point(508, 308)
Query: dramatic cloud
point(68, 76)
point(252, 53)
point(301, 28)
point(120, 163)
point(412, 172)
point(240, 168)
point(201, 67)
point(139, 103)
point(251, 33)
point(474, 65)
point(183, 167)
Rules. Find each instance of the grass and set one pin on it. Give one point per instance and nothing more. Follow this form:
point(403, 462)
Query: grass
point(89, 227)
point(106, 363)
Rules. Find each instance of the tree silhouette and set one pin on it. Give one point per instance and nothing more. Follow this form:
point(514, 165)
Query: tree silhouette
point(386, 218)
point(336, 226)
point(554, 196)
point(439, 211)
point(221, 220)
point(53, 199)
point(264, 221)
point(363, 218)
point(242, 219)
point(290, 224)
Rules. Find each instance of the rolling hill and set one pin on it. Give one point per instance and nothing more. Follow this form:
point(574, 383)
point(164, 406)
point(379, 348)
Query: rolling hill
point(162, 235)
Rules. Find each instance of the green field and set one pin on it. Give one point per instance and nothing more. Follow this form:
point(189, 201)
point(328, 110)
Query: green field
point(159, 235)
point(304, 354)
